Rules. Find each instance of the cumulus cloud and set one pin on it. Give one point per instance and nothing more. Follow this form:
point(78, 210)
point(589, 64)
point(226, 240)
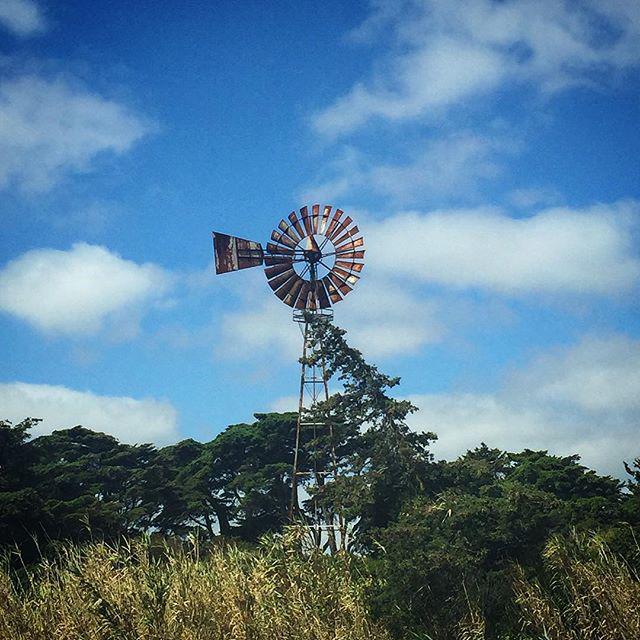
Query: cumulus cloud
point(382, 320)
point(451, 166)
point(446, 52)
point(602, 374)
point(75, 291)
point(580, 399)
point(23, 17)
point(50, 127)
point(128, 419)
point(557, 250)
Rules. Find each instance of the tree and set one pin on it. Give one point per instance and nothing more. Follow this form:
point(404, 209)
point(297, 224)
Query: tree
point(383, 462)
point(90, 483)
point(21, 505)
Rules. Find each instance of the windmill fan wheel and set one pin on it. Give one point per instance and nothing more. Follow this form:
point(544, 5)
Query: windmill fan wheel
point(314, 258)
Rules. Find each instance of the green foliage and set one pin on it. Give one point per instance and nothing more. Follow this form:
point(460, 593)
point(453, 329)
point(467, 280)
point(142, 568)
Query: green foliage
point(452, 547)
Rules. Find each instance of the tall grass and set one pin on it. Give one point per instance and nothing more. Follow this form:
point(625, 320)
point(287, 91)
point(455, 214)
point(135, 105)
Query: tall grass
point(586, 593)
point(135, 590)
point(140, 589)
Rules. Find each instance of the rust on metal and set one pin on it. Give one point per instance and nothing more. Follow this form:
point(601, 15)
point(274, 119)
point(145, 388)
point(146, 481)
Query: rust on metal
point(312, 260)
point(232, 253)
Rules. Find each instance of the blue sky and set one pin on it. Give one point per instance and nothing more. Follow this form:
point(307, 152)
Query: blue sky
point(488, 151)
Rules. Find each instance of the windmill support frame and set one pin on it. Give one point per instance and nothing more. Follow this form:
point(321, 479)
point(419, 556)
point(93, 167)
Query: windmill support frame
point(327, 527)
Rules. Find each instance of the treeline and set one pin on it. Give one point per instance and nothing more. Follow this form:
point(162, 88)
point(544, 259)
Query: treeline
point(434, 532)
point(441, 540)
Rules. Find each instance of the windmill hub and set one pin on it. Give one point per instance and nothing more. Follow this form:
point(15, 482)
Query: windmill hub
point(312, 256)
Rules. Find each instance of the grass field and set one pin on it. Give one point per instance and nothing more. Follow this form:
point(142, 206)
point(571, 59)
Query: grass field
point(154, 590)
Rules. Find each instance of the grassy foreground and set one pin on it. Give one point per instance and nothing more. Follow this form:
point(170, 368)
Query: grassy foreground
point(155, 591)
point(134, 590)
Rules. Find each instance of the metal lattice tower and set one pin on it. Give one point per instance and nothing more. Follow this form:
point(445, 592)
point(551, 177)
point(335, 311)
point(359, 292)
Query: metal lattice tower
point(312, 261)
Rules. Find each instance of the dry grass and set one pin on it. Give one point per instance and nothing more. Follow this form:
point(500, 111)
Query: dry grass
point(137, 591)
point(589, 594)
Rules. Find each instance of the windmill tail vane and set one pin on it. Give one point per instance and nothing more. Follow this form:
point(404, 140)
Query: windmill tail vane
point(312, 260)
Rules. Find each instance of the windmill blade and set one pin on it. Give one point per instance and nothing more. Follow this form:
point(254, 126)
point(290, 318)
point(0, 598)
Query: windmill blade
point(277, 269)
point(306, 220)
point(281, 238)
point(346, 254)
point(352, 244)
point(232, 253)
point(331, 290)
point(350, 266)
point(346, 276)
point(289, 231)
point(337, 230)
point(324, 221)
point(334, 221)
point(339, 283)
point(315, 217)
point(293, 218)
point(289, 290)
point(321, 295)
point(350, 233)
point(274, 249)
point(301, 302)
point(291, 295)
point(277, 281)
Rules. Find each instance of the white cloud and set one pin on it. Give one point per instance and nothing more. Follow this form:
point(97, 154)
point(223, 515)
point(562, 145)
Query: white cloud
point(23, 17)
point(284, 404)
point(129, 420)
point(52, 127)
point(602, 374)
point(75, 291)
point(382, 320)
point(449, 51)
point(261, 326)
point(453, 165)
point(558, 250)
point(581, 399)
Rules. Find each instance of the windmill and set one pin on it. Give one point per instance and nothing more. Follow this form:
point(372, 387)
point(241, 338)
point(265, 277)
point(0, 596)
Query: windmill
point(312, 261)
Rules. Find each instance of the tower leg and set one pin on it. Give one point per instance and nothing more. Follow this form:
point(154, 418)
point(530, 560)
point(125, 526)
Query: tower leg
point(314, 388)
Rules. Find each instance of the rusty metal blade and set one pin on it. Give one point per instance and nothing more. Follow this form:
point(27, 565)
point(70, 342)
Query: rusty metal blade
point(292, 295)
point(350, 278)
point(340, 227)
point(311, 244)
point(315, 217)
point(301, 302)
point(281, 238)
point(271, 260)
point(283, 291)
point(289, 230)
point(278, 281)
point(349, 266)
point(331, 290)
point(321, 295)
point(274, 249)
point(277, 269)
point(293, 218)
point(351, 232)
point(232, 253)
point(306, 220)
point(349, 254)
point(334, 221)
point(324, 221)
point(339, 283)
point(352, 244)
